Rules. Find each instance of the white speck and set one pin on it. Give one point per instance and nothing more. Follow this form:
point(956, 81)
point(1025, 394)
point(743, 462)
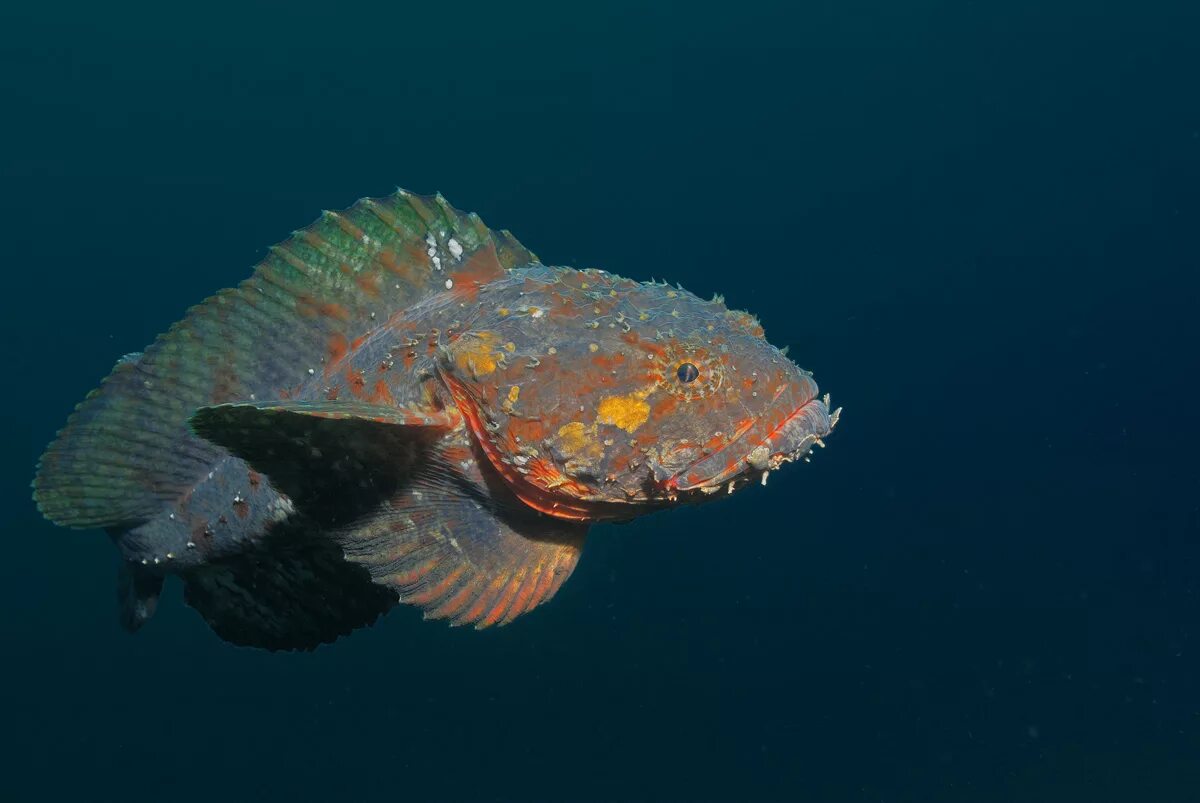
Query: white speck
point(210, 475)
point(456, 250)
point(171, 517)
point(144, 561)
point(449, 283)
point(251, 397)
point(437, 263)
point(366, 240)
point(156, 561)
point(170, 556)
point(765, 474)
point(191, 544)
point(237, 499)
point(311, 372)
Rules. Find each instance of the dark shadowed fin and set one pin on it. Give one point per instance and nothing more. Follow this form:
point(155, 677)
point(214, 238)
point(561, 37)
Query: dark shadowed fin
point(127, 448)
point(333, 458)
point(291, 591)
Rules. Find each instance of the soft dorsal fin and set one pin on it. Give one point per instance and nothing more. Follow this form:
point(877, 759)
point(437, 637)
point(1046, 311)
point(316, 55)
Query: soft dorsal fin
point(127, 448)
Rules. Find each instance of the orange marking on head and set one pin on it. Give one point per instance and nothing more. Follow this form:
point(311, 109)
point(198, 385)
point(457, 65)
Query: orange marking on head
point(527, 429)
point(609, 362)
point(665, 406)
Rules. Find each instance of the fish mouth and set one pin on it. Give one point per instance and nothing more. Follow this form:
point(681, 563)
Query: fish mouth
point(762, 448)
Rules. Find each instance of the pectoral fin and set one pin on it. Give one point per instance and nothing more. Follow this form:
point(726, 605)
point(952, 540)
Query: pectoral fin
point(329, 457)
point(458, 544)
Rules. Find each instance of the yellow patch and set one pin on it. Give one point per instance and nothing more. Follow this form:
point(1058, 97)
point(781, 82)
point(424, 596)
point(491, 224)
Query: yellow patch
point(510, 346)
point(578, 441)
point(513, 393)
point(627, 412)
point(473, 353)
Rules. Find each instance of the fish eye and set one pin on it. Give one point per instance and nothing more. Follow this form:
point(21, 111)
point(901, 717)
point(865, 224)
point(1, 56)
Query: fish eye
point(687, 372)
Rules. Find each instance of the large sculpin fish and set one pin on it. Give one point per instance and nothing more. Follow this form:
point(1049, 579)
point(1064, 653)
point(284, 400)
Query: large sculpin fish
point(403, 405)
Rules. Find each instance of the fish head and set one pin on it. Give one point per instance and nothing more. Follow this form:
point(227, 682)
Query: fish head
point(600, 398)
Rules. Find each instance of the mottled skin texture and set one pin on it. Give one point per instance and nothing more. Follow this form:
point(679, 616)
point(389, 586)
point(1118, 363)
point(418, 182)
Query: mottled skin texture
point(403, 404)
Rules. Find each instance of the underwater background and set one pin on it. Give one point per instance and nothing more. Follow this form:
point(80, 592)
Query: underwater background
point(976, 222)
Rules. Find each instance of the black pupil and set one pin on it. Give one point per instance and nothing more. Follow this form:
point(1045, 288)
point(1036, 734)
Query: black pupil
point(688, 372)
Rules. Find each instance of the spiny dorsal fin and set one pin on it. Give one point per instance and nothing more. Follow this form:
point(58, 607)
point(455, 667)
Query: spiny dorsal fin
point(127, 449)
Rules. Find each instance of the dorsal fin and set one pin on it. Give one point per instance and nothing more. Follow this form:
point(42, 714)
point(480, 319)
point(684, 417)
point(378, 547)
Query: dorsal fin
point(127, 448)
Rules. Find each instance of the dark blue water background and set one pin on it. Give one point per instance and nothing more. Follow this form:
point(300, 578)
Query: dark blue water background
point(975, 221)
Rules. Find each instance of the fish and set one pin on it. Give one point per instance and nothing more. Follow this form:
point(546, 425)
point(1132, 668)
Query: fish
point(403, 406)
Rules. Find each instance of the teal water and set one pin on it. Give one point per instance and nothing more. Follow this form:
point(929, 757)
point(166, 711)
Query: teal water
point(975, 222)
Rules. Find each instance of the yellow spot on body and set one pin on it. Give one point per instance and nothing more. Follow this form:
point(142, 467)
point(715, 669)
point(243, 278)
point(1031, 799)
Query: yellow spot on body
point(578, 442)
point(510, 346)
point(474, 353)
point(627, 412)
point(513, 393)
point(592, 347)
point(584, 285)
point(502, 310)
point(644, 317)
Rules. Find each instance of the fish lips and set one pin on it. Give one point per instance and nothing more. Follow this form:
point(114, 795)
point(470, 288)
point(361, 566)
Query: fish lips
point(762, 448)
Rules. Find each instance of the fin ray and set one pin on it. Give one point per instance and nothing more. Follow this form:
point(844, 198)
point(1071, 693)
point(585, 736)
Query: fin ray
point(128, 441)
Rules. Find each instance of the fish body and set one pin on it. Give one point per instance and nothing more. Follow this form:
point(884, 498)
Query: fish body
point(402, 405)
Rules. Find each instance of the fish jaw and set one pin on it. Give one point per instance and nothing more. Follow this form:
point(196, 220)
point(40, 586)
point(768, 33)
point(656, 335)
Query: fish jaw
point(764, 447)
